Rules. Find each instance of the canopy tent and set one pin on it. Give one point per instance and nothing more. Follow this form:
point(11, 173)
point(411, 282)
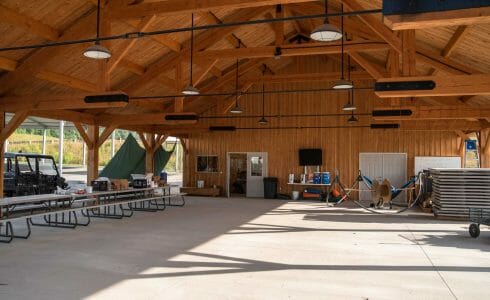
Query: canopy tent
point(130, 159)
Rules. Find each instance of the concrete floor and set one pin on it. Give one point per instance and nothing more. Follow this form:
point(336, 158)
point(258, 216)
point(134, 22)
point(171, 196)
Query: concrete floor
point(250, 249)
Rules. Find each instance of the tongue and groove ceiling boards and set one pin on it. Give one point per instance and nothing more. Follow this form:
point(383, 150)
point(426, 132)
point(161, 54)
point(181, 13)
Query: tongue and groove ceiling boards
point(53, 81)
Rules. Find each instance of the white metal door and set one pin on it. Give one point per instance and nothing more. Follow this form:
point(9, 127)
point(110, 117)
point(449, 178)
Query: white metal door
point(392, 166)
point(371, 165)
point(256, 171)
point(395, 170)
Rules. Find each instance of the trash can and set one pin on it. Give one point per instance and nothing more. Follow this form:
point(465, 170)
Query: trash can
point(270, 187)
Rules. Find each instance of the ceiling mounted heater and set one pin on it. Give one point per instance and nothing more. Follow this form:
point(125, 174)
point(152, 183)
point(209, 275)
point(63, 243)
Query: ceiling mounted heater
point(222, 128)
point(404, 86)
point(181, 118)
point(392, 113)
point(385, 126)
point(107, 98)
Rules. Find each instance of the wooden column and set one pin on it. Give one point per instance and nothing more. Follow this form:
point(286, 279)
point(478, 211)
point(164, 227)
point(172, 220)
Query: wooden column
point(92, 153)
point(409, 53)
point(5, 132)
point(151, 142)
point(485, 148)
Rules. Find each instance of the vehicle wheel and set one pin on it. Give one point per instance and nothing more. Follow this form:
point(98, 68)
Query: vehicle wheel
point(474, 230)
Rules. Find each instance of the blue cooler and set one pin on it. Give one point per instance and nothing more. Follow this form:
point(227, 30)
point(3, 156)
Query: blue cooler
point(317, 179)
point(325, 177)
point(163, 177)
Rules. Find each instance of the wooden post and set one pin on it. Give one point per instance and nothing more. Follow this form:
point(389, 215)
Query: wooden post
point(5, 132)
point(93, 153)
point(2, 156)
point(485, 149)
point(150, 159)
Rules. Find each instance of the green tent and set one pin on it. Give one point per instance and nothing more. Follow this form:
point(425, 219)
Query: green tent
point(130, 159)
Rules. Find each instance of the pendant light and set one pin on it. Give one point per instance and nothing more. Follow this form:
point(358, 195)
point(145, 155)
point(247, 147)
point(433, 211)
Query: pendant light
point(263, 120)
point(237, 109)
point(343, 84)
point(190, 90)
point(352, 119)
point(326, 32)
point(349, 106)
point(97, 51)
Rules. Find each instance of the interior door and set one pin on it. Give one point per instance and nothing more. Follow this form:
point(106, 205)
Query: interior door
point(256, 171)
point(371, 165)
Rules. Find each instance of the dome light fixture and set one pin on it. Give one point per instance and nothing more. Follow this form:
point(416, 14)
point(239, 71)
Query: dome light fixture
point(190, 90)
point(343, 84)
point(326, 32)
point(97, 51)
point(237, 109)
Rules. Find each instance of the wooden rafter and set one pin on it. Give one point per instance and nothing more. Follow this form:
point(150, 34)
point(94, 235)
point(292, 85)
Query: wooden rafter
point(202, 41)
point(293, 50)
point(132, 67)
point(28, 24)
point(480, 15)
point(372, 68)
point(121, 52)
point(445, 86)
point(38, 60)
point(14, 123)
point(8, 64)
point(68, 81)
point(173, 7)
point(454, 41)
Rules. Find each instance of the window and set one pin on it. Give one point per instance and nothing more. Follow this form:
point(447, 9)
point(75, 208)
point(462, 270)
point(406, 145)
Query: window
point(24, 165)
point(256, 163)
point(47, 167)
point(207, 163)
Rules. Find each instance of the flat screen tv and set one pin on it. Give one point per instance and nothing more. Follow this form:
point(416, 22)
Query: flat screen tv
point(310, 157)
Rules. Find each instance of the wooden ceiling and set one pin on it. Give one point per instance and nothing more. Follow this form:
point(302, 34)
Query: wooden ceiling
point(51, 82)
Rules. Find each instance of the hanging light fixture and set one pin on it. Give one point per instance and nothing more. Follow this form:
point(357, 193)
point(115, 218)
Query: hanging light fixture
point(349, 106)
point(343, 84)
point(190, 90)
point(263, 120)
point(326, 32)
point(352, 119)
point(97, 51)
point(237, 109)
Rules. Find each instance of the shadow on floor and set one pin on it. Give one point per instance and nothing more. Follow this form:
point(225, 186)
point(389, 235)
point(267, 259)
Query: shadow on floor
point(241, 265)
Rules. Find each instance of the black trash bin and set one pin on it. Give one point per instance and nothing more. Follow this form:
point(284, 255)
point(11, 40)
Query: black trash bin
point(270, 187)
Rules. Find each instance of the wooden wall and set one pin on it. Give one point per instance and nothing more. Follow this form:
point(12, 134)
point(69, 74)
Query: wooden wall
point(341, 142)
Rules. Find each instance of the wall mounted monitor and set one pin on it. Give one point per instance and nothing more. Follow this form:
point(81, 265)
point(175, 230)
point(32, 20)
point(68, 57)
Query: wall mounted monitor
point(310, 157)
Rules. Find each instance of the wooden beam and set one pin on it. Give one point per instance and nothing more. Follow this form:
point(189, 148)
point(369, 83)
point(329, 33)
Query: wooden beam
point(408, 53)
point(454, 41)
point(14, 123)
point(30, 25)
point(67, 81)
point(470, 16)
point(443, 64)
point(105, 134)
point(173, 7)
point(279, 27)
point(373, 69)
point(202, 41)
point(445, 86)
point(308, 77)
point(83, 134)
point(123, 50)
point(132, 67)
point(163, 40)
point(292, 50)
point(66, 115)
point(375, 24)
point(139, 119)
point(41, 57)
point(54, 102)
point(144, 140)
point(460, 112)
point(8, 64)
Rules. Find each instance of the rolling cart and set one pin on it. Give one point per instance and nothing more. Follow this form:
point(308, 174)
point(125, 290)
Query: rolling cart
point(478, 216)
